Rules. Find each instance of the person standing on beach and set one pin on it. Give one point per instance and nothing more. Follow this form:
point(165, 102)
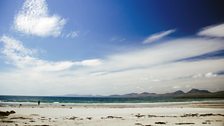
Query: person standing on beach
point(38, 103)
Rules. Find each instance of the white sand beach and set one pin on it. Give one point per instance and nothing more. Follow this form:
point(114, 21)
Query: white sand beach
point(130, 114)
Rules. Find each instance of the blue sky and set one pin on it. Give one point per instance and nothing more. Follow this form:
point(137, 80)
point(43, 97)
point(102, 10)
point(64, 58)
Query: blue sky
point(97, 46)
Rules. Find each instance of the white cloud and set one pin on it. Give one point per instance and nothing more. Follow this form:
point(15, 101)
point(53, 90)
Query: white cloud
point(176, 87)
point(92, 62)
point(153, 67)
point(164, 53)
point(72, 34)
point(199, 75)
point(210, 74)
point(213, 31)
point(23, 57)
point(34, 19)
point(158, 36)
point(207, 75)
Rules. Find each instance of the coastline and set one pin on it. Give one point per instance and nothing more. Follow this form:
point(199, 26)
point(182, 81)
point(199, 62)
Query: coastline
point(204, 103)
point(114, 114)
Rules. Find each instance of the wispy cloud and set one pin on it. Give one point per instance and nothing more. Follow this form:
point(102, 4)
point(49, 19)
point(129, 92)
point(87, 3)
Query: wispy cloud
point(34, 19)
point(162, 67)
point(72, 34)
point(212, 31)
point(24, 58)
point(156, 67)
point(164, 53)
point(158, 36)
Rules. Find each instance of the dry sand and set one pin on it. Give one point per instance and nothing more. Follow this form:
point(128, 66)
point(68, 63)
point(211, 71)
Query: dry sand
point(149, 114)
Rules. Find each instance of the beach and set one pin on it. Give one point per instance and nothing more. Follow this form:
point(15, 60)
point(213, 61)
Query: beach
point(209, 113)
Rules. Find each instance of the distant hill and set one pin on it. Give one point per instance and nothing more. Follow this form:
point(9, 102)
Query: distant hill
point(193, 93)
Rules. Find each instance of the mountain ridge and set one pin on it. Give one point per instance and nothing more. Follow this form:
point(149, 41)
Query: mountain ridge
point(193, 93)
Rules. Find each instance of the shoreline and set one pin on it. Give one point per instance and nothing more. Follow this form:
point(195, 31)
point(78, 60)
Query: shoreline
point(206, 103)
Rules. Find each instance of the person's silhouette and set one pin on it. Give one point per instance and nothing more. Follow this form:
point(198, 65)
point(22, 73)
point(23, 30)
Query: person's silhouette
point(38, 103)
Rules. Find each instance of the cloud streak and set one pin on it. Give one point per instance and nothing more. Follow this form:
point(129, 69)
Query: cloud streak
point(212, 31)
point(34, 19)
point(158, 36)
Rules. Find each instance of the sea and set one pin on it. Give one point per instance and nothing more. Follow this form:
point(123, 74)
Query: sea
point(62, 99)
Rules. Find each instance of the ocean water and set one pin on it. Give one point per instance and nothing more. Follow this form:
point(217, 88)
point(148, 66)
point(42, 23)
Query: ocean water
point(53, 99)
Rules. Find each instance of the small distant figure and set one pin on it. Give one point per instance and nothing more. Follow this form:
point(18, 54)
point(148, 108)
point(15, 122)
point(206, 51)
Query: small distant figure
point(20, 105)
point(38, 103)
